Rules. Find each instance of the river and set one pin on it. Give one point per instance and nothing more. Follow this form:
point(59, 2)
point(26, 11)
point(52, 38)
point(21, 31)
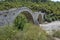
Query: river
point(51, 26)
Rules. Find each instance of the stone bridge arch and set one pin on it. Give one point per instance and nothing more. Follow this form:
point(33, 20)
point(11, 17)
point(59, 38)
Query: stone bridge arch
point(8, 16)
point(26, 11)
point(18, 11)
point(38, 17)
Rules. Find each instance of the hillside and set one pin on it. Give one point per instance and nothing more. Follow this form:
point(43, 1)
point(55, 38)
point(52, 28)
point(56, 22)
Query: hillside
point(23, 27)
point(52, 9)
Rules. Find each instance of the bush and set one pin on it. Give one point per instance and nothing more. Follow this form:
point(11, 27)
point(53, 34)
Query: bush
point(57, 34)
point(47, 7)
point(20, 21)
point(31, 32)
point(6, 33)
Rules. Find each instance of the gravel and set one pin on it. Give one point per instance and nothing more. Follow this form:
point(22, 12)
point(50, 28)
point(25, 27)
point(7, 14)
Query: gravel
point(51, 26)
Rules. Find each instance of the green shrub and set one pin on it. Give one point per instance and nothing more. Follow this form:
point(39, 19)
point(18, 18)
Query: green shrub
point(31, 32)
point(6, 33)
point(20, 21)
point(47, 7)
point(57, 34)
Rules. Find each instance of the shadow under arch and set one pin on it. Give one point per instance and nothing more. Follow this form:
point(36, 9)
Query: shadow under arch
point(28, 16)
point(40, 19)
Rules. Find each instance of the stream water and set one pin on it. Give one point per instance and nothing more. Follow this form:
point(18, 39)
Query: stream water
point(51, 26)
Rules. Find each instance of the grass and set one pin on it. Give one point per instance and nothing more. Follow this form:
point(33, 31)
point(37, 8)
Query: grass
point(56, 34)
point(6, 33)
point(30, 32)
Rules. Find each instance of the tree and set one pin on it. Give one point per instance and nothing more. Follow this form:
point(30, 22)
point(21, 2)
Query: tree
point(44, 0)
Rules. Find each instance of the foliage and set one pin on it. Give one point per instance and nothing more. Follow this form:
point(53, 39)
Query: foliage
point(52, 9)
point(28, 0)
point(20, 21)
point(57, 34)
point(6, 33)
point(30, 32)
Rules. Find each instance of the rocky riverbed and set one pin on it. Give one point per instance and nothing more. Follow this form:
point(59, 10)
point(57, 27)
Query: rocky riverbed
point(51, 26)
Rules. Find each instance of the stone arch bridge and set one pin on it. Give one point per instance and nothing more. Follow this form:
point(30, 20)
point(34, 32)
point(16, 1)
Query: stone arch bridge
point(8, 16)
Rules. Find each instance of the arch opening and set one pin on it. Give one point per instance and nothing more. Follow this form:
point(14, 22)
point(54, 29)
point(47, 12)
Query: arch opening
point(40, 20)
point(22, 19)
point(27, 15)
